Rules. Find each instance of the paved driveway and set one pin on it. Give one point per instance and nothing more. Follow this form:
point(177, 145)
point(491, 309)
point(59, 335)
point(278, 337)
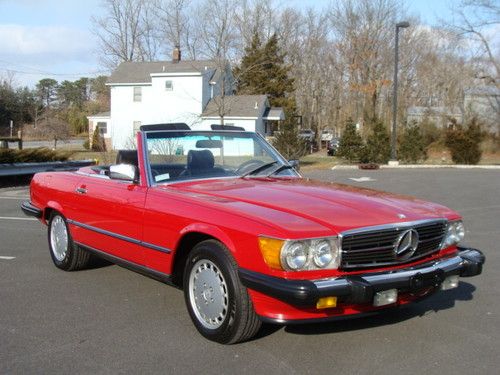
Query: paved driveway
point(111, 320)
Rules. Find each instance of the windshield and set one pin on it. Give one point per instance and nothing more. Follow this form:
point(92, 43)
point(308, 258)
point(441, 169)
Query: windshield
point(185, 155)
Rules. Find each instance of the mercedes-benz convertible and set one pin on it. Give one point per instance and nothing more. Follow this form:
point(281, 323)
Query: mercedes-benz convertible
point(223, 216)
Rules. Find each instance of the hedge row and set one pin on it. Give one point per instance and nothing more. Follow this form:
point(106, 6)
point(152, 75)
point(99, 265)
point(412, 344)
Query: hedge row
point(32, 155)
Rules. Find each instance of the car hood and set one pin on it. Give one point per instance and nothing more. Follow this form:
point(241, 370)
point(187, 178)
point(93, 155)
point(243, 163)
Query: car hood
point(299, 203)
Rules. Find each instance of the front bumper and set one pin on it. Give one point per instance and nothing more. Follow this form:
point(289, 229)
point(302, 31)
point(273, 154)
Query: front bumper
point(360, 289)
point(30, 210)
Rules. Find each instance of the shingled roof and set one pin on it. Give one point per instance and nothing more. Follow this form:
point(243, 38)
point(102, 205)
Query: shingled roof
point(140, 72)
point(236, 106)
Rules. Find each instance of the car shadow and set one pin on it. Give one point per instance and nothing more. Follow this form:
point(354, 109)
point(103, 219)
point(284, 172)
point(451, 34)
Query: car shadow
point(433, 304)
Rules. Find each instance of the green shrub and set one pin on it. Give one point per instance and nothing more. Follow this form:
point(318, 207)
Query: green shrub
point(32, 155)
point(464, 143)
point(378, 146)
point(351, 144)
point(98, 141)
point(412, 148)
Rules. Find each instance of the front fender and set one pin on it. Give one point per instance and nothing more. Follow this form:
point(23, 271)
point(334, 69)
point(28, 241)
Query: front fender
point(210, 230)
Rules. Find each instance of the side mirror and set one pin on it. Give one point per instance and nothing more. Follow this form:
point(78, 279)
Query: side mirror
point(124, 172)
point(295, 164)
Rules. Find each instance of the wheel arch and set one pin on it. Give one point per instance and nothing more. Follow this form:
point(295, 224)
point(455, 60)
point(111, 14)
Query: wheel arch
point(51, 207)
point(190, 237)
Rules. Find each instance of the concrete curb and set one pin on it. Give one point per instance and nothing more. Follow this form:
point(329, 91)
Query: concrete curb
point(422, 166)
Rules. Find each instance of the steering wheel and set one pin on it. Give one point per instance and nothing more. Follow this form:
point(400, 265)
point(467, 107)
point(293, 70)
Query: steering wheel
point(248, 166)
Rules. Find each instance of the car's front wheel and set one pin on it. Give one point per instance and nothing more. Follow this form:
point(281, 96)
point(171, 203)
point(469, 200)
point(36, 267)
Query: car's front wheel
point(65, 254)
point(218, 304)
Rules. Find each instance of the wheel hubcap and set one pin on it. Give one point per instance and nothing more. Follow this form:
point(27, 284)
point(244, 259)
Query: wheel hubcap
point(208, 294)
point(59, 238)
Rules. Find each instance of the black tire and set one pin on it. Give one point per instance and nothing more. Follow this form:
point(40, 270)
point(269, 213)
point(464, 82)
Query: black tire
point(74, 258)
point(240, 322)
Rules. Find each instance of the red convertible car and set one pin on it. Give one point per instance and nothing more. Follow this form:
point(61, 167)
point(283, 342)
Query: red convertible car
point(222, 215)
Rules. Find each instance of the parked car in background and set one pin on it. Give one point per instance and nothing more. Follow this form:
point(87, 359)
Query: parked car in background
point(333, 146)
point(226, 218)
point(326, 135)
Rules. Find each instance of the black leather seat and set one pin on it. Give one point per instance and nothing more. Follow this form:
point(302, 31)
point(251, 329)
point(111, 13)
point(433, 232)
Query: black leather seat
point(201, 163)
point(127, 157)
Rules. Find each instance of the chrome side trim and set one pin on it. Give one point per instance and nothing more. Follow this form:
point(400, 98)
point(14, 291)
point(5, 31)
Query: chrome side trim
point(400, 225)
point(160, 276)
point(120, 237)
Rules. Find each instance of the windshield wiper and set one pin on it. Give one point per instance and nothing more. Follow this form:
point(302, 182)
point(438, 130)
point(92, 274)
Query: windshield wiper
point(259, 168)
point(279, 169)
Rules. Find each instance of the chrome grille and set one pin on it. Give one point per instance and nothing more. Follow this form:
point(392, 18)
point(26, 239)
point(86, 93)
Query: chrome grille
point(371, 247)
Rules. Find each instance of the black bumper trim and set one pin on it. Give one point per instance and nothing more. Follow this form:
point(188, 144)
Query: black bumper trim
point(360, 289)
point(31, 210)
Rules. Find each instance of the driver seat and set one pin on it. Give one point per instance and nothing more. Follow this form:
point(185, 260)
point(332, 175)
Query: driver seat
point(201, 163)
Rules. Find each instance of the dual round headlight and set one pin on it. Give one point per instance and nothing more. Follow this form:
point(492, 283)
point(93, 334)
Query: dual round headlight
point(310, 254)
point(455, 232)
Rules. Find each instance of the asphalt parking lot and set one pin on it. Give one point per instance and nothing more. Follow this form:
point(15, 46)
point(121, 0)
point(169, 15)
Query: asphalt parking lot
point(111, 320)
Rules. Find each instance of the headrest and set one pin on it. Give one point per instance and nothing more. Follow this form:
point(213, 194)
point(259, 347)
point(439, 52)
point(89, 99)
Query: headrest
point(202, 159)
point(127, 157)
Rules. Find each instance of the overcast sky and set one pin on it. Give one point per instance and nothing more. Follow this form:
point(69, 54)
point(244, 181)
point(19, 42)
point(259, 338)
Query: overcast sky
point(53, 38)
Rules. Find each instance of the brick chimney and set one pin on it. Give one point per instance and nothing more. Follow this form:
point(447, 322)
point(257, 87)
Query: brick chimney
point(176, 55)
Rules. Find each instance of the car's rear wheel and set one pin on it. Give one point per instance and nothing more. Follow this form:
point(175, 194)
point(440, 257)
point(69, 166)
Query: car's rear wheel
point(218, 304)
point(65, 254)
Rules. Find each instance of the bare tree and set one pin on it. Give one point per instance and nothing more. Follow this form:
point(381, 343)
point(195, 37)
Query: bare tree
point(217, 30)
point(478, 22)
point(173, 21)
point(124, 32)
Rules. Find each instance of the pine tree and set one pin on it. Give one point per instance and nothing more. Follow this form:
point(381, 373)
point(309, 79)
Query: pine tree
point(378, 146)
point(263, 71)
point(98, 141)
point(464, 144)
point(249, 75)
point(412, 147)
point(351, 144)
point(288, 142)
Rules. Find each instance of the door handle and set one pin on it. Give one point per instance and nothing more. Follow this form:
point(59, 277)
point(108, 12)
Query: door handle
point(81, 190)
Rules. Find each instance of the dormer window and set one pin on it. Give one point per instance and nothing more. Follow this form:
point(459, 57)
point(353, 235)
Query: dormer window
point(169, 86)
point(138, 94)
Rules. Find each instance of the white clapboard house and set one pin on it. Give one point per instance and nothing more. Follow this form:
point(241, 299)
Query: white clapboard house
point(177, 91)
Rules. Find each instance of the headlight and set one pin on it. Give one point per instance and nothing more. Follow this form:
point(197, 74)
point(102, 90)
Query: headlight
point(301, 255)
point(322, 253)
point(455, 232)
point(294, 255)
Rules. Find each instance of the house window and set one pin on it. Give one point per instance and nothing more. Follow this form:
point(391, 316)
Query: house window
point(137, 94)
point(137, 125)
point(103, 128)
point(169, 86)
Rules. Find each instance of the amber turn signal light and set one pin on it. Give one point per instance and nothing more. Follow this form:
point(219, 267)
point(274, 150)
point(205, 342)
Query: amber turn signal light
point(271, 251)
point(326, 303)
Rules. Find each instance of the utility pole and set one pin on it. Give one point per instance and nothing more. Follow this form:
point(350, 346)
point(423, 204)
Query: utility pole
point(399, 25)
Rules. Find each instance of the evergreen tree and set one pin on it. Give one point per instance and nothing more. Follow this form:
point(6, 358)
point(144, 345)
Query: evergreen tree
point(351, 144)
point(378, 146)
point(98, 141)
point(464, 143)
point(288, 142)
point(250, 75)
point(263, 71)
point(412, 147)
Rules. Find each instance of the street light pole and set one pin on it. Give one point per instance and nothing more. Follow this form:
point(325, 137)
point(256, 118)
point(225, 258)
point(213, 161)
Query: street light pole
point(399, 25)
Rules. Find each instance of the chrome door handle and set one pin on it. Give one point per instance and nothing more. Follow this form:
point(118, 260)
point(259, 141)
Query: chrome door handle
point(81, 190)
